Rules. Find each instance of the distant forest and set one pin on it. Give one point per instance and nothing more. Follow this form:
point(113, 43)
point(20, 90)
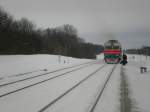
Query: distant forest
point(145, 50)
point(23, 37)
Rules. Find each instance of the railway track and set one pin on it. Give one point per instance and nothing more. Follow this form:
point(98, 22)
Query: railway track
point(47, 73)
point(70, 89)
point(25, 73)
point(78, 84)
point(48, 79)
point(30, 72)
point(102, 90)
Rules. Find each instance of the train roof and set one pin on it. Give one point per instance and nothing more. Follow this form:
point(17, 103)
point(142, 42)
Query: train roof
point(112, 42)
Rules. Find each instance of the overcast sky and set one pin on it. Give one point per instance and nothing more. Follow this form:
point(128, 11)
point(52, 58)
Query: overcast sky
point(96, 20)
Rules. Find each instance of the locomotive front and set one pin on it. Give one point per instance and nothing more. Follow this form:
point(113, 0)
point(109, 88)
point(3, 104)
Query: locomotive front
point(112, 52)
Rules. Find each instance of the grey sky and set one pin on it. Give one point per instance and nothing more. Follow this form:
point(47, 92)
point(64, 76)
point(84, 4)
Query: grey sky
point(96, 20)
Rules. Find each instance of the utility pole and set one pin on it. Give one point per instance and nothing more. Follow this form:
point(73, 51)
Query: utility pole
point(59, 55)
point(146, 53)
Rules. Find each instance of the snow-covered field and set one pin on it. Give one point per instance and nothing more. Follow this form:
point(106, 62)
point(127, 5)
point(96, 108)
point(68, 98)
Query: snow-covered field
point(16, 96)
point(17, 64)
point(139, 82)
point(32, 91)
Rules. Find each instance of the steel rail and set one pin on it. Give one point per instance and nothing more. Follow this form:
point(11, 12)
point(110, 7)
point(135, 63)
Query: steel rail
point(40, 82)
point(102, 90)
point(24, 79)
point(70, 89)
point(25, 73)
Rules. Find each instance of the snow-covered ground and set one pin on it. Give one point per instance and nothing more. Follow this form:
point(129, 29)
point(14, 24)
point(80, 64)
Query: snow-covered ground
point(17, 64)
point(100, 56)
point(139, 82)
point(82, 97)
point(34, 98)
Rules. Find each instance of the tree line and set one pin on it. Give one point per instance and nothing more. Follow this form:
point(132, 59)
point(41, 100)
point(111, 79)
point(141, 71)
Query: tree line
point(145, 50)
point(23, 37)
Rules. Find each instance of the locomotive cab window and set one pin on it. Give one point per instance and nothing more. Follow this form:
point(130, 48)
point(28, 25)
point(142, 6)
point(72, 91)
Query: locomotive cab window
point(116, 47)
point(108, 47)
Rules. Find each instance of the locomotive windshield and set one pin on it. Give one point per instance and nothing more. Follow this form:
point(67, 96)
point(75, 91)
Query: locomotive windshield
point(116, 47)
point(108, 47)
